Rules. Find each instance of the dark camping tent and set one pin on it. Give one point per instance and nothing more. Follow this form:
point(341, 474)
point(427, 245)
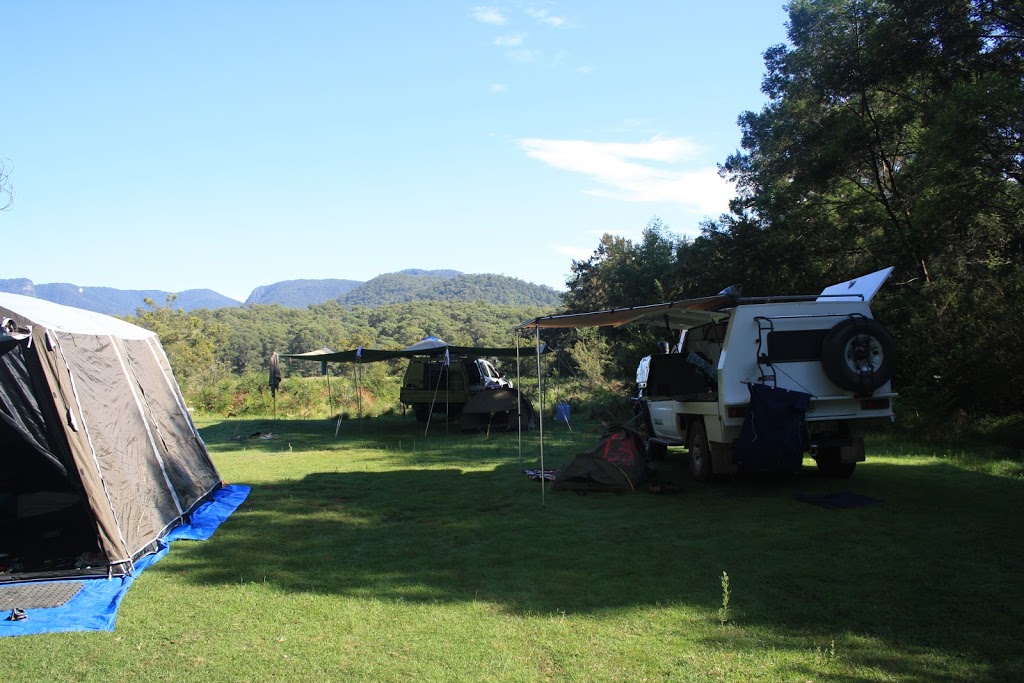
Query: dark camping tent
point(99, 458)
point(615, 463)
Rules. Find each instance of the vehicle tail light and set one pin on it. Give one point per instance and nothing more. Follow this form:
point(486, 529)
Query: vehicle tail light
point(736, 411)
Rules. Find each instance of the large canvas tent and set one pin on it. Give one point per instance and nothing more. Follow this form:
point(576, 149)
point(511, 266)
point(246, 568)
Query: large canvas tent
point(99, 458)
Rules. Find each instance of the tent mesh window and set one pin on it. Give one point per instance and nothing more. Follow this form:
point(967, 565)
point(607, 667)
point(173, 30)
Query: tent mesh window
point(45, 522)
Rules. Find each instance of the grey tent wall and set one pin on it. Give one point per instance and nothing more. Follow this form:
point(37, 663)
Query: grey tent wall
point(121, 438)
point(185, 458)
point(69, 420)
point(154, 467)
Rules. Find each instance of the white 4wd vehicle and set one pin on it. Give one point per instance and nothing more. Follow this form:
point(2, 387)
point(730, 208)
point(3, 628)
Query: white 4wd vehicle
point(757, 384)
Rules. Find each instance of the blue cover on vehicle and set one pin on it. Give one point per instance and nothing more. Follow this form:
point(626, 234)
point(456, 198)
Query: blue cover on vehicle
point(773, 436)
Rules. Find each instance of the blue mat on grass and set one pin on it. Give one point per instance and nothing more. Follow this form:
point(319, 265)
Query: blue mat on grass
point(94, 607)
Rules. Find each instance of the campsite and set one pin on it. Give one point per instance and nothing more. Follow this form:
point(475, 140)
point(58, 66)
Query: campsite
point(541, 342)
point(383, 555)
point(366, 547)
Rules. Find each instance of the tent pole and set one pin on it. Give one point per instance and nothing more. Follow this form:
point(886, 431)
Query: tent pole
point(337, 424)
point(330, 397)
point(540, 422)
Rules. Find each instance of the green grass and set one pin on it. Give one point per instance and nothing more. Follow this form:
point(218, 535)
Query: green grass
point(386, 555)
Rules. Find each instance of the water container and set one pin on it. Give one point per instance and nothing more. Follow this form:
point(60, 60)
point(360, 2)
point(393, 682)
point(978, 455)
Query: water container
point(562, 412)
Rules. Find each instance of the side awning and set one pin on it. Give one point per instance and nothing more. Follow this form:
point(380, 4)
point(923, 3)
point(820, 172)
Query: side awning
point(682, 314)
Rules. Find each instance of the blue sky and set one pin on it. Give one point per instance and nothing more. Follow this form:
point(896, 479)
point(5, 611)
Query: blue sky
point(228, 145)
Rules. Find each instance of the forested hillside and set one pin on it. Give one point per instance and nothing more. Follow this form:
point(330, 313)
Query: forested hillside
point(301, 293)
point(391, 288)
point(406, 286)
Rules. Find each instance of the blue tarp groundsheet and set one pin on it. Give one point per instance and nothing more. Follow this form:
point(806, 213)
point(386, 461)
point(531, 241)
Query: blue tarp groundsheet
point(94, 606)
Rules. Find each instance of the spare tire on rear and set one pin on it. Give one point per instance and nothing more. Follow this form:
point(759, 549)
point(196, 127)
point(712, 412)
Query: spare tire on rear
point(859, 355)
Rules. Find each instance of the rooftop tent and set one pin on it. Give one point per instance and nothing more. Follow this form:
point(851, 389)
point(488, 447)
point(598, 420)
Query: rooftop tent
point(98, 455)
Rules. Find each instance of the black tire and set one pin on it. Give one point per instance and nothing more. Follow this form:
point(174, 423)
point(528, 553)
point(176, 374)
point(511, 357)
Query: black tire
point(830, 465)
point(859, 355)
point(699, 451)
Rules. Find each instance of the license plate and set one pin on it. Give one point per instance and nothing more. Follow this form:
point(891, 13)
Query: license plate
point(822, 427)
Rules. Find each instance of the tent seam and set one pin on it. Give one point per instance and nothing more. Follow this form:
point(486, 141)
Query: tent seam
point(133, 382)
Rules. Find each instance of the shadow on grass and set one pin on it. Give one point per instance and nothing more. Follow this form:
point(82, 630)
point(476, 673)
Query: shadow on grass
point(934, 567)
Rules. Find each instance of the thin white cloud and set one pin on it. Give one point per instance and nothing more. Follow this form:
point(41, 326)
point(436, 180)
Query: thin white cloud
point(584, 70)
point(498, 87)
point(577, 253)
point(659, 170)
point(489, 15)
point(524, 56)
point(545, 17)
point(508, 41)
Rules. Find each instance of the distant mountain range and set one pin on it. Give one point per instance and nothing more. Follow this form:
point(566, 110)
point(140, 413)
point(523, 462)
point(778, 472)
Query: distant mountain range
point(389, 288)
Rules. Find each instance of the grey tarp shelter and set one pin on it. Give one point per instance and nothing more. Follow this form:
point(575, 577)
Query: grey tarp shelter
point(99, 457)
point(428, 347)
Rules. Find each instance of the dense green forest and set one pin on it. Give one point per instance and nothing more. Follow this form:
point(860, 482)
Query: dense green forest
point(893, 135)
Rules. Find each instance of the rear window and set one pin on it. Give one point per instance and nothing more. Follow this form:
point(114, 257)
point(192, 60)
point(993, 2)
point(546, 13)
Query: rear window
point(794, 346)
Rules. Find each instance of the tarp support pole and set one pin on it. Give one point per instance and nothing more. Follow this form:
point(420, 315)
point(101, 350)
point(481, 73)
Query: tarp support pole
point(330, 397)
point(433, 400)
point(519, 403)
point(540, 423)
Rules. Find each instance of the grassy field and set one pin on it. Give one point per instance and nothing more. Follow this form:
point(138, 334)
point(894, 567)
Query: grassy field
point(381, 554)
